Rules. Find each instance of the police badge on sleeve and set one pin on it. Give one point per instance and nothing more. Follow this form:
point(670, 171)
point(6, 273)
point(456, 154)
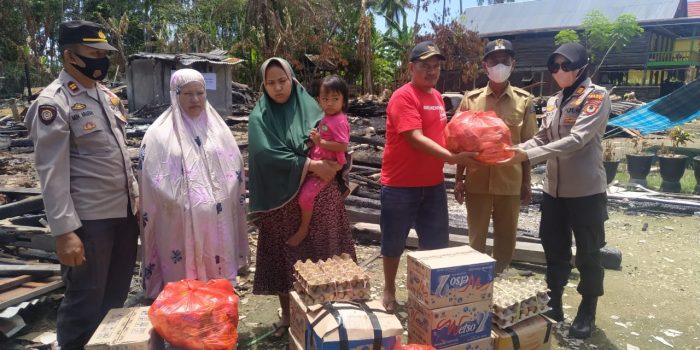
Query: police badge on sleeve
point(47, 114)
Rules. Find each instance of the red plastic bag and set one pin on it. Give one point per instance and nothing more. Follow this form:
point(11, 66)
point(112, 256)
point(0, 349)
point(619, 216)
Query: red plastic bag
point(414, 347)
point(197, 315)
point(482, 132)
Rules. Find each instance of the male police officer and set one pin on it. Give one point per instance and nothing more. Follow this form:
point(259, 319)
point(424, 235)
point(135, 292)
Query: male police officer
point(89, 189)
point(497, 191)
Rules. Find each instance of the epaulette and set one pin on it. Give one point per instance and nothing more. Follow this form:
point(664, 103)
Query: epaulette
point(474, 92)
point(521, 91)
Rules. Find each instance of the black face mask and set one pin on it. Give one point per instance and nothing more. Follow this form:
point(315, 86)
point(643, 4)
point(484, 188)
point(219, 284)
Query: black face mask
point(92, 65)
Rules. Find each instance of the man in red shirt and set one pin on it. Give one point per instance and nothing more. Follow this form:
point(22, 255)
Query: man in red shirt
point(413, 189)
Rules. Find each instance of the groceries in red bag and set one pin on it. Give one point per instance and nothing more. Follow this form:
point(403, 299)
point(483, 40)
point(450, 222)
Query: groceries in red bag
point(482, 132)
point(414, 347)
point(197, 315)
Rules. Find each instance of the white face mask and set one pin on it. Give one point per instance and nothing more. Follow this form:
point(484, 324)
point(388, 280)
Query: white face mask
point(499, 73)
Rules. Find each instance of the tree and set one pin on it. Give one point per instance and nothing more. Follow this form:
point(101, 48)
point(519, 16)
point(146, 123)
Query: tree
point(566, 36)
point(601, 35)
point(365, 47)
point(462, 48)
point(392, 9)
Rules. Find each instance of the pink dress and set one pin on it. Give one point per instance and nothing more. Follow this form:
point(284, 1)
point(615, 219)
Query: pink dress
point(333, 128)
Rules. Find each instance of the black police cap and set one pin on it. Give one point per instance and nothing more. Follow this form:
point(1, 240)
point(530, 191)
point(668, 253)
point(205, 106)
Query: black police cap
point(85, 33)
point(498, 45)
point(425, 50)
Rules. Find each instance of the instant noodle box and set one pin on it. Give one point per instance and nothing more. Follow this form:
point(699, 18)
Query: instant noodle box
point(125, 329)
point(450, 326)
point(479, 344)
point(352, 326)
point(451, 276)
point(532, 334)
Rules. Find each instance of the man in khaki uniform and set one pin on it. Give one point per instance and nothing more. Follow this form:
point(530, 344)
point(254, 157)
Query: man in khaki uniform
point(88, 185)
point(497, 191)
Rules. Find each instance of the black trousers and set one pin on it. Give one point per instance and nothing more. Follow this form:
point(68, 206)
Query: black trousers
point(586, 217)
point(101, 283)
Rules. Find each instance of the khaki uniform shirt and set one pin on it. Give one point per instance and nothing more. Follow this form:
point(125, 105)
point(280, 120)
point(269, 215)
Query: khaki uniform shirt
point(80, 154)
point(517, 110)
point(570, 141)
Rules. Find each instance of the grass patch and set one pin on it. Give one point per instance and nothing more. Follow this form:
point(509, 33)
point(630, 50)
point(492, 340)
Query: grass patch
point(654, 178)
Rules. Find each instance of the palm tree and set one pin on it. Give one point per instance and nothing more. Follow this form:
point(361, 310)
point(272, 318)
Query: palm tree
point(392, 9)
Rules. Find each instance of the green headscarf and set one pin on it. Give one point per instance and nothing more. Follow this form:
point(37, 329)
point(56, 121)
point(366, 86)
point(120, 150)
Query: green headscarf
point(276, 144)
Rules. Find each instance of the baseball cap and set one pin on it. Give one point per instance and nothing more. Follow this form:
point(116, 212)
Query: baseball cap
point(425, 50)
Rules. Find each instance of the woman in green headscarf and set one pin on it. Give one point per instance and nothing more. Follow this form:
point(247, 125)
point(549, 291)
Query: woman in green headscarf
point(277, 134)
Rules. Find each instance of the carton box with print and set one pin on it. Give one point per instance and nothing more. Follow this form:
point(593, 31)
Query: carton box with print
point(451, 276)
point(125, 329)
point(532, 334)
point(479, 344)
point(298, 321)
point(447, 327)
point(352, 326)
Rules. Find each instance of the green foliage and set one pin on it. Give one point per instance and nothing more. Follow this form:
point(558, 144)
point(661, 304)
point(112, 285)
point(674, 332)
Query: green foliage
point(679, 137)
point(602, 35)
point(566, 36)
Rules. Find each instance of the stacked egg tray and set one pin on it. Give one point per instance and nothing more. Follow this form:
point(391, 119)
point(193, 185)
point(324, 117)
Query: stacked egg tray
point(336, 279)
point(515, 301)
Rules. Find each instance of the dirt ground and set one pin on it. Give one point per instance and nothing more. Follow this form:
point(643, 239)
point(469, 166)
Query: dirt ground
point(653, 302)
point(654, 298)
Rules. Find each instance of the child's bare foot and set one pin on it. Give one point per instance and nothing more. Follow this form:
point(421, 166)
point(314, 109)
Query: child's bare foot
point(297, 238)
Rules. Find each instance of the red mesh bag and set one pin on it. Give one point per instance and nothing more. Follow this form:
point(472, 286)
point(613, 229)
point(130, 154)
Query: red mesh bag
point(482, 132)
point(197, 315)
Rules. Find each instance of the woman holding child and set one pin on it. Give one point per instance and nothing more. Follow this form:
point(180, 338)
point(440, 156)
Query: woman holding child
point(281, 128)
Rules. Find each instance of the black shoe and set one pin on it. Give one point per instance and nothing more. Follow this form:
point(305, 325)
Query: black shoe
point(555, 312)
point(584, 323)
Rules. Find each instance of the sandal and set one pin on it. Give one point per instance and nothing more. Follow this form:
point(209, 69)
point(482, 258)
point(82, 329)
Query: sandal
point(280, 330)
point(390, 305)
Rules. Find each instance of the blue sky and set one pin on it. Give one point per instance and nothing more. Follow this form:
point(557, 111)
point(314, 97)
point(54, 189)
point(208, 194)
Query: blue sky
point(435, 9)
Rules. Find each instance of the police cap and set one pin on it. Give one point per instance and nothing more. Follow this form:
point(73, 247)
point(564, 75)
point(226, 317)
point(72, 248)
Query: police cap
point(85, 33)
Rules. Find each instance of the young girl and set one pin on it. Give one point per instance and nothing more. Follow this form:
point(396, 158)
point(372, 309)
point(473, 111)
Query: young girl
point(330, 143)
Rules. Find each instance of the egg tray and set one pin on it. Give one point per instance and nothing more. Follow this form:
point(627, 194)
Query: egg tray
point(515, 301)
point(338, 278)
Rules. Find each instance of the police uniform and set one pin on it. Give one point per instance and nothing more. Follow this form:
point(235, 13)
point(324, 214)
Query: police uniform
point(495, 191)
point(88, 187)
point(574, 186)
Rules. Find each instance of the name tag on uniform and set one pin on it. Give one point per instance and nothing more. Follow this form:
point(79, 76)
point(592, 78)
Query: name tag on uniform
point(568, 120)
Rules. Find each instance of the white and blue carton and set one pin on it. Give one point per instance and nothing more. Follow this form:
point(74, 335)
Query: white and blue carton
point(451, 276)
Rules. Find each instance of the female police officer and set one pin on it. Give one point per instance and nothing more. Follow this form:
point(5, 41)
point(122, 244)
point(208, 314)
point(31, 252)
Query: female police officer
point(574, 186)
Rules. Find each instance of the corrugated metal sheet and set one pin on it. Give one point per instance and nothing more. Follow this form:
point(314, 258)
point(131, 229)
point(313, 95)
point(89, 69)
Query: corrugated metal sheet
point(13, 311)
point(187, 59)
point(554, 15)
point(694, 9)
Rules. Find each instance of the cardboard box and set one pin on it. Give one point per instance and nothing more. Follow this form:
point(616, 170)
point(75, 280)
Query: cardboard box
point(479, 344)
point(124, 329)
point(355, 323)
point(532, 334)
point(450, 326)
point(294, 343)
point(452, 276)
point(297, 319)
